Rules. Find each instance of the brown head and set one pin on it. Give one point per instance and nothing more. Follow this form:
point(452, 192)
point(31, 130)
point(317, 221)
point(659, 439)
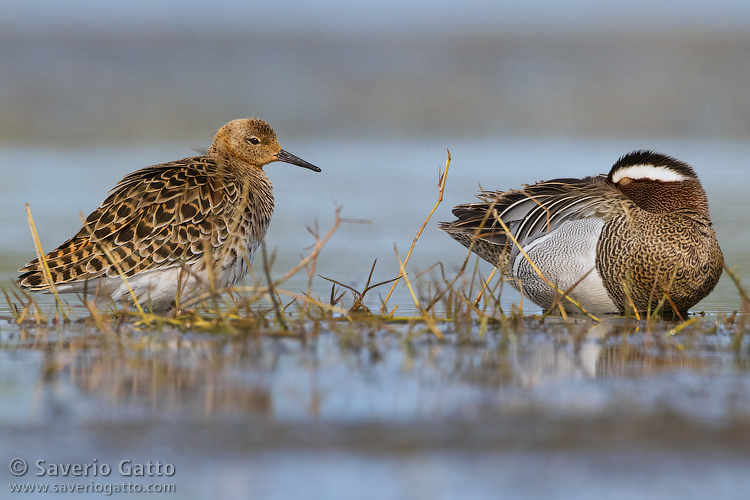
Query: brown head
point(659, 183)
point(252, 141)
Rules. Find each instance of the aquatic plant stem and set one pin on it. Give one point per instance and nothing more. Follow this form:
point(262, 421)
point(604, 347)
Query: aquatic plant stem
point(441, 189)
point(736, 280)
point(47, 274)
point(485, 284)
point(538, 271)
point(116, 264)
point(319, 244)
point(272, 289)
point(429, 320)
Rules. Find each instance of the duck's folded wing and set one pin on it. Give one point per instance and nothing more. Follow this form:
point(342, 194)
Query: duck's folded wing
point(531, 211)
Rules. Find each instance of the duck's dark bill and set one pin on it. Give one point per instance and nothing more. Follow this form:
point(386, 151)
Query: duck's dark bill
point(287, 157)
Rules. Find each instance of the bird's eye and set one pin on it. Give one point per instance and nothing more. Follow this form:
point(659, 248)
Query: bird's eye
point(625, 181)
point(253, 140)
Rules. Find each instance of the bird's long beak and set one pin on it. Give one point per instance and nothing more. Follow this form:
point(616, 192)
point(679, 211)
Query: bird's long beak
point(288, 157)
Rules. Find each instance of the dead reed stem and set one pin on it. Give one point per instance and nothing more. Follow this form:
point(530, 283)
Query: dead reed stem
point(428, 319)
point(539, 272)
point(319, 244)
point(272, 290)
point(441, 188)
point(46, 273)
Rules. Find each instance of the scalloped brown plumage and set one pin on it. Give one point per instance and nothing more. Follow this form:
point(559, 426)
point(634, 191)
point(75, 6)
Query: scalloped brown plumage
point(157, 223)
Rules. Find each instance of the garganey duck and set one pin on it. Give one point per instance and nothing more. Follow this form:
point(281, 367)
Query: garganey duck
point(616, 242)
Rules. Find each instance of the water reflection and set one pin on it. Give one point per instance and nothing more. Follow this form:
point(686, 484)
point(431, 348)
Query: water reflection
point(351, 375)
point(624, 360)
point(338, 400)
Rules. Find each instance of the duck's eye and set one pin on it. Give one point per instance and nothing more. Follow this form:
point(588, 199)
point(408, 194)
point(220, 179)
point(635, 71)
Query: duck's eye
point(625, 181)
point(253, 140)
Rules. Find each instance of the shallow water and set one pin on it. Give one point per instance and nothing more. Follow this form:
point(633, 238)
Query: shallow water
point(543, 412)
point(385, 189)
point(533, 411)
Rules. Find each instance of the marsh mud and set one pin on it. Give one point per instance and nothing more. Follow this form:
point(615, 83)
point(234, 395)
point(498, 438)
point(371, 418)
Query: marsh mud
point(372, 411)
point(340, 410)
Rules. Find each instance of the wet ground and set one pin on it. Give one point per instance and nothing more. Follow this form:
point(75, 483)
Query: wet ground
point(339, 410)
point(335, 410)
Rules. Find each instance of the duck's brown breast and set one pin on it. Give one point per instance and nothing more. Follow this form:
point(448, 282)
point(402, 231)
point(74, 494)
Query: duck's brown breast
point(648, 255)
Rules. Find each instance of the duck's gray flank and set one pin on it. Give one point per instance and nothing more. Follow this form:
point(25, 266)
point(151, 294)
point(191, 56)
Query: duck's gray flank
point(643, 231)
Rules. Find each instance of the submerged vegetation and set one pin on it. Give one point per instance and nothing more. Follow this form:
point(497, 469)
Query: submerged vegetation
point(444, 300)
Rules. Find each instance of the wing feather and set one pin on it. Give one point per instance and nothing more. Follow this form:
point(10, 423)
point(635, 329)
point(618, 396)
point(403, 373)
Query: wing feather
point(155, 217)
point(531, 212)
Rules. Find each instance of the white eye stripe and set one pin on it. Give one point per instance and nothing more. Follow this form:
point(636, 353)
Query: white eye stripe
point(648, 172)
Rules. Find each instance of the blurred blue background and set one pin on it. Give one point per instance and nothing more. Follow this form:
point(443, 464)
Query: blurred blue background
point(373, 93)
point(84, 71)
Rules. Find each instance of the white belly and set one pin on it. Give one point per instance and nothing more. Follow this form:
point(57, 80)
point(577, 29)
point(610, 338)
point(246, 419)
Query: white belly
point(159, 289)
